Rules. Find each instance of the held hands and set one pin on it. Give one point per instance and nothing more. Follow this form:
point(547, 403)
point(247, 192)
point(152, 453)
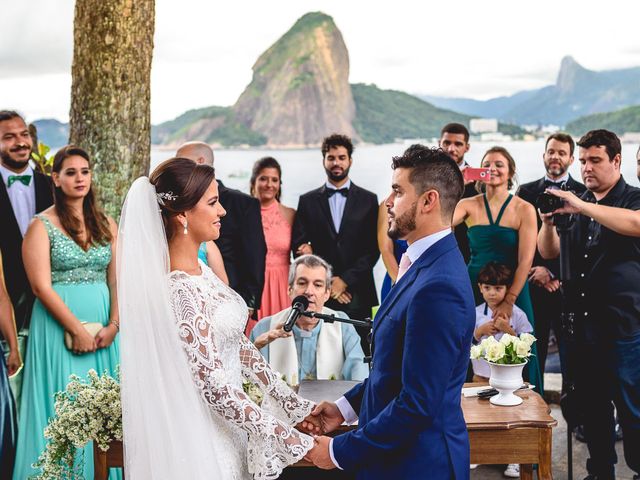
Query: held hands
point(319, 455)
point(539, 276)
point(83, 342)
point(267, 337)
point(339, 291)
point(105, 336)
point(504, 310)
point(486, 330)
point(304, 249)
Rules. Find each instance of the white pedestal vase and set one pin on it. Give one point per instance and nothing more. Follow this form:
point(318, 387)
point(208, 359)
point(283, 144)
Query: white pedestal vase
point(506, 379)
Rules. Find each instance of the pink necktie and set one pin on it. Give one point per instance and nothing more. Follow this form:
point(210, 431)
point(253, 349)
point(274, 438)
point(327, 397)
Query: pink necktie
point(405, 263)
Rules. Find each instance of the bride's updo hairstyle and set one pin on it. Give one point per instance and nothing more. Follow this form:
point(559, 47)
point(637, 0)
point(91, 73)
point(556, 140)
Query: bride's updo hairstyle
point(180, 183)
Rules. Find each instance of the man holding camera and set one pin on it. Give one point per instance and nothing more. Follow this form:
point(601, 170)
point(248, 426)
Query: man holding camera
point(543, 277)
point(605, 261)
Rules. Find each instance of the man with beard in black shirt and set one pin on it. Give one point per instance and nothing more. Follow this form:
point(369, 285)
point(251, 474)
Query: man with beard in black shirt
point(604, 350)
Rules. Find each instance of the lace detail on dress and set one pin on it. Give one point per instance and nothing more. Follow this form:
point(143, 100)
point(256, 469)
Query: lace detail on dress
point(255, 367)
point(210, 317)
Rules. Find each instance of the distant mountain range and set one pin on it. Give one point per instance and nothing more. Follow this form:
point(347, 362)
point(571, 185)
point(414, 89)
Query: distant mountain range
point(577, 92)
point(620, 122)
point(300, 93)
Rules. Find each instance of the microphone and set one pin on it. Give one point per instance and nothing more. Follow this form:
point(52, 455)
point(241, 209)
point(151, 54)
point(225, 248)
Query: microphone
point(298, 306)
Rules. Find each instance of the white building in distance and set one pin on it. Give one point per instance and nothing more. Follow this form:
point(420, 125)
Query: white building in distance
point(483, 125)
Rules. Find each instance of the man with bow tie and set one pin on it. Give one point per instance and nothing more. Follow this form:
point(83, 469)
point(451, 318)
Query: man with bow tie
point(338, 222)
point(543, 281)
point(23, 193)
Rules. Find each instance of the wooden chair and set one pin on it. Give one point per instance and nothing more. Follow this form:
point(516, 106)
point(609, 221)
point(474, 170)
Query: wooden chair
point(112, 458)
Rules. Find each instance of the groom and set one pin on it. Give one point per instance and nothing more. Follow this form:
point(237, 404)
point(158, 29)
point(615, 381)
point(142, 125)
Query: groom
point(410, 423)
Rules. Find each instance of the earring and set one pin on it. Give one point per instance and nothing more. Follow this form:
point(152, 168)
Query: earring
point(185, 227)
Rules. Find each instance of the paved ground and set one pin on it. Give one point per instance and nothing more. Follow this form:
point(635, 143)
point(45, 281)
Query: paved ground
point(559, 457)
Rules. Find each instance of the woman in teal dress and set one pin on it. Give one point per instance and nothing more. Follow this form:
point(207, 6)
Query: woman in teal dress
point(69, 256)
point(502, 228)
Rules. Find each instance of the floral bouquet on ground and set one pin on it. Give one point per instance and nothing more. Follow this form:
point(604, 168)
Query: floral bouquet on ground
point(509, 350)
point(87, 410)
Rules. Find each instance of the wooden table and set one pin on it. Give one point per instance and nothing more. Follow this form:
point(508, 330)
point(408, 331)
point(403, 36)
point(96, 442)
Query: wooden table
point(520, 434)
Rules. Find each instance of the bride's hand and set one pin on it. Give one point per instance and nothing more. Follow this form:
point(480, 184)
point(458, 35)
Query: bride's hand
point(311, 425)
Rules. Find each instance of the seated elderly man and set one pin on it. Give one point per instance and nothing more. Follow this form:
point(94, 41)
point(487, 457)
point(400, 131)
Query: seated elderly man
point(314, 349)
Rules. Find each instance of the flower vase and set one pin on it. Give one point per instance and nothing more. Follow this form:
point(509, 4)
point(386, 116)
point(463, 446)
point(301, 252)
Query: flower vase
point(506, 379)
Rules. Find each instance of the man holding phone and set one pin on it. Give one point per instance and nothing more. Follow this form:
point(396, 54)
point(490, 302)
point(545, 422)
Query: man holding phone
point(454, 140)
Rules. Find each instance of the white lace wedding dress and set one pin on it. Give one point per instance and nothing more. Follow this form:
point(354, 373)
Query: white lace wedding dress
point(251, 441)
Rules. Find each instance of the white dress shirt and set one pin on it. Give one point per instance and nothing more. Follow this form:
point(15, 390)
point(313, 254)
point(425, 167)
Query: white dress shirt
point(337, 201)
point(21, 196)
point(414, 251)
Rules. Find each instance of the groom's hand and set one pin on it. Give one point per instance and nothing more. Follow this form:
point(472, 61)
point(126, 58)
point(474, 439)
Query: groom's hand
point(319, 455)
point(311, 425)
point(329, 415)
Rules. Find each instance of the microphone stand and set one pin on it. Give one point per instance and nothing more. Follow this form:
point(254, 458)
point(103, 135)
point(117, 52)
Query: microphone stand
point(366, 323)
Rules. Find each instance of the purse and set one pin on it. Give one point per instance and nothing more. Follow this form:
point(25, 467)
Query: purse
point(92, 327)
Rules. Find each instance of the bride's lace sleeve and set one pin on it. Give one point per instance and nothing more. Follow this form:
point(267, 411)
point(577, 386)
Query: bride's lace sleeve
point(255, 367)
point(272, 444)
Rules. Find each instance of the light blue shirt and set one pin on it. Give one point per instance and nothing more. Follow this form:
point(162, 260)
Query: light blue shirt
point(306, 346)
point(417, 248)
point(337, 202)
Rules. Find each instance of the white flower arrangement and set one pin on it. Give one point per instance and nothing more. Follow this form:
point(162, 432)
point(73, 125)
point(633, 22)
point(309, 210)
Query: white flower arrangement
point(84, 411)
point(510, 350)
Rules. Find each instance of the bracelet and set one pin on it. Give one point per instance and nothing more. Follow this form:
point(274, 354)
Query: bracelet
point(116, 323)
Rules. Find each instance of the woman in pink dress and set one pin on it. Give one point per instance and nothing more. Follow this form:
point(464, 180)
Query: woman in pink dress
point(276, 223)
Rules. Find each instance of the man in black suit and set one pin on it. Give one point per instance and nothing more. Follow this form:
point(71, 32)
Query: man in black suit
point(454, 139)
point(543, 278)
point(23, 193)
point(241, 240)
point(338, 222)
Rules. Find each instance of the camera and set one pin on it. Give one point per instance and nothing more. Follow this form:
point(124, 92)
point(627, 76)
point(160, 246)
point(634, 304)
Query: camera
point(548, 203)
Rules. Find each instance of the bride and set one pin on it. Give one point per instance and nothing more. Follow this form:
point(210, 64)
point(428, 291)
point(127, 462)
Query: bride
point(184, 356)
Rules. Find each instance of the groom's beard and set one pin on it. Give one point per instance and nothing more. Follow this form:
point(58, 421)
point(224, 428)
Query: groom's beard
point(404, 224)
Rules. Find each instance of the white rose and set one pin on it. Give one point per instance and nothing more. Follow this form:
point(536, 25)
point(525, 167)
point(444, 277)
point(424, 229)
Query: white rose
point(476, 352)
point(506, 339)
point(528, 338)
point(488, 341)
point(495, 352)
point(522, 348)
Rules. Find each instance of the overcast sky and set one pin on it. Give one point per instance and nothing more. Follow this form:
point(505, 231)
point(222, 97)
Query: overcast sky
point(204, 49)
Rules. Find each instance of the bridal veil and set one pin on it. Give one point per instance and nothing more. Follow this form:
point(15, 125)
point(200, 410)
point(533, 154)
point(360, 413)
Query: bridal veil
point(166, 431)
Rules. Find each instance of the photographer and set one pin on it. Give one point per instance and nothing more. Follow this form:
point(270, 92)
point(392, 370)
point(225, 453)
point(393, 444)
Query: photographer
point(544, 274)
point(605, 260)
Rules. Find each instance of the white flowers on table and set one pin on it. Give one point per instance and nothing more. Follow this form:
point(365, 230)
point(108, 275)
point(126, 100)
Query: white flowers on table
point(510, 350)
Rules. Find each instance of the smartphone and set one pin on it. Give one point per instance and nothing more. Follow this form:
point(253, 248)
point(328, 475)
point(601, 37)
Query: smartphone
point(477, 174)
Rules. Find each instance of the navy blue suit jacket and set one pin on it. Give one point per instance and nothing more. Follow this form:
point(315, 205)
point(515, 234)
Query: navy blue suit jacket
point(410, 420)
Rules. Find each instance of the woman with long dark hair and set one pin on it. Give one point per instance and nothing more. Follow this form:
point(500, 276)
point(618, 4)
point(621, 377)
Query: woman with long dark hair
point(69, 257)
point(184, 355)
point(277, 220)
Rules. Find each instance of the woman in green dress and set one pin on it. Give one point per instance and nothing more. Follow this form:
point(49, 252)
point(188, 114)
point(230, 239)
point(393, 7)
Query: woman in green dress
point(69, 257)
point(502, 228)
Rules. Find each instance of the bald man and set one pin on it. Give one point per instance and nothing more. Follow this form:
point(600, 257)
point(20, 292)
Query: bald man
point(199, 152)
point(241, 241)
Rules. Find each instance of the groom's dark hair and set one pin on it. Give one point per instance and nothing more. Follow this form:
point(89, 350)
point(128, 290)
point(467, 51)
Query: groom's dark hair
point(433, 169)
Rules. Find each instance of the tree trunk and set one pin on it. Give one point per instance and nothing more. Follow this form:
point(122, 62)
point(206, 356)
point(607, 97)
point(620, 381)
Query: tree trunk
point(110, 92)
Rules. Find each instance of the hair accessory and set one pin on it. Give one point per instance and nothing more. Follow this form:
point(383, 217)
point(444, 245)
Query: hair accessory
point(162, 196)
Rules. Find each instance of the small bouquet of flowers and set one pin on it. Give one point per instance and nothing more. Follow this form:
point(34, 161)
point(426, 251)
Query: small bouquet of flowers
point(509, 350)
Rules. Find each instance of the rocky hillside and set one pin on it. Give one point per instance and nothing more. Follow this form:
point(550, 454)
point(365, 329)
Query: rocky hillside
point(300, 87)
